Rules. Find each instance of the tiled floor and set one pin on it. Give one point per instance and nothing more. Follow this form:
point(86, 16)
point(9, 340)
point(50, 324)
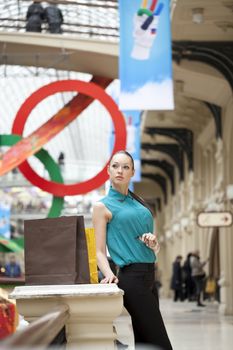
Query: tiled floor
point(189, 327)
point(194, 328)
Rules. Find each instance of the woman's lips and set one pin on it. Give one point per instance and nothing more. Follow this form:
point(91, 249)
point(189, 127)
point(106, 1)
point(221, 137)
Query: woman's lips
point(119, 177)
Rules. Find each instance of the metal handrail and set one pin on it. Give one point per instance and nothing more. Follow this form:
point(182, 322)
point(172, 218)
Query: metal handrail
point(88, 32)
point(64, 23)
point(40, 332)
point(81, 25)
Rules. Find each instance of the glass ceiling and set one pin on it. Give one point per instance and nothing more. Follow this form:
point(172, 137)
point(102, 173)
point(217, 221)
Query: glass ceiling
point(85, 142)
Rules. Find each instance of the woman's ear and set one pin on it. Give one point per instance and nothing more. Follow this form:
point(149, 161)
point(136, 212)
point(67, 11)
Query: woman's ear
point(133, 172)
point(108, 170)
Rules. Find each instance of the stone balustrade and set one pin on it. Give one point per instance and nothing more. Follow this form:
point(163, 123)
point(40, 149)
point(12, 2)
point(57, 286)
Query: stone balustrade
point(92, 310)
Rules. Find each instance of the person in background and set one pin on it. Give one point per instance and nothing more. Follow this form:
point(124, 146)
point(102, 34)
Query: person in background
point(35, 17)
point(2, 268)
point(61, 161)
point(188, 280)
point(12, 269)
point(198, 275)
point(176, 281)
point(54, 17)
point(124, 223)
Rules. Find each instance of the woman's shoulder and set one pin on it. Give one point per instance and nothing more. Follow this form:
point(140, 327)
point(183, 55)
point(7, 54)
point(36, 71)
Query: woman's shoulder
point(100, 210)
point(98, 205)
point(106, 201)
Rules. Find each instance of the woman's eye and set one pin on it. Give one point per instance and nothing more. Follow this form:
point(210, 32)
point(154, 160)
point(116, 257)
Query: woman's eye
point(114, 166)
point(126, 167)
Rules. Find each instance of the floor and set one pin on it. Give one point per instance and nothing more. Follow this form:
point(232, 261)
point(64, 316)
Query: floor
point(189, 327)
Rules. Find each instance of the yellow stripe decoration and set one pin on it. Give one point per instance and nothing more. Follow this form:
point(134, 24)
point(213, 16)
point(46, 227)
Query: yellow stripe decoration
point(144, 4)
point(91, 248)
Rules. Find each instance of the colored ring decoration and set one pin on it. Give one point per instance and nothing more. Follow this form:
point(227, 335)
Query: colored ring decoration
point(50, 165)
point(86, 88)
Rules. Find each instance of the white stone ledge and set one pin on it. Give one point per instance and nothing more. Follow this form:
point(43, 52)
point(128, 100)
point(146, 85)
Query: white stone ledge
point(62, 42)
point(75, 290)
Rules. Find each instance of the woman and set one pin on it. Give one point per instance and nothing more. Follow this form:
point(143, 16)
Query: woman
point(123, 222)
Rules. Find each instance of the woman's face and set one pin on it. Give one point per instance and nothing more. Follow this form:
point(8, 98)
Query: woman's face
point(120, 169)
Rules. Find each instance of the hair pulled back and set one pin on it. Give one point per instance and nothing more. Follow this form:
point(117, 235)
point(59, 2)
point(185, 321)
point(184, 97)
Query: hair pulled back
point(135, 196)
point(125, 153)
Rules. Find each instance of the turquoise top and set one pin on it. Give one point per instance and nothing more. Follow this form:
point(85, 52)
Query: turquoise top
point(130, 219)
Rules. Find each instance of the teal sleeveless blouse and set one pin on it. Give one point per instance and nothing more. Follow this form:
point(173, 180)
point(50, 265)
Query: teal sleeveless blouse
point(130, 219)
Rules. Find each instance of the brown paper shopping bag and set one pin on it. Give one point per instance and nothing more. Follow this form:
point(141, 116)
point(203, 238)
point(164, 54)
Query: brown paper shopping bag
point(56, 251)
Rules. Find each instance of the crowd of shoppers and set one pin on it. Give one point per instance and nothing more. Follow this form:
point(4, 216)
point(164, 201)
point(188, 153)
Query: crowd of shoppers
point(188, 281)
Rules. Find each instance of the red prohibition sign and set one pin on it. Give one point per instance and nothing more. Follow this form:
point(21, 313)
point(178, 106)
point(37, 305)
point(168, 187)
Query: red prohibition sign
point(86, 88)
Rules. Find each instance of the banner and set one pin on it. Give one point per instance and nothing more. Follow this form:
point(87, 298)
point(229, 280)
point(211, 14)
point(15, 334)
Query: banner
point(5, 211)
point(145, 55)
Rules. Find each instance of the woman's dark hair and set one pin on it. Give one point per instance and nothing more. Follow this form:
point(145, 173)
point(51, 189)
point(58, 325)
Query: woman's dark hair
point(126, 153)
point(135, 196)
point(140, 200)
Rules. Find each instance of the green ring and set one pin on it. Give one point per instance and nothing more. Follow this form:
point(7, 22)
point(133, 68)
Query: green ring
point(51, 167)
point(144, 12)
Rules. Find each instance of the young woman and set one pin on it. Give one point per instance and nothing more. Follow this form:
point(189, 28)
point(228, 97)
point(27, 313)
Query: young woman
point(123, 222)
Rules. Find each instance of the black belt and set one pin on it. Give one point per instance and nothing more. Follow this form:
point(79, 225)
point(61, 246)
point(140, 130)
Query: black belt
point(138, 267)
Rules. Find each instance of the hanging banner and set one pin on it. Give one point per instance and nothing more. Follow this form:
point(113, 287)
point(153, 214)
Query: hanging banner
point(5, 210)
point(145, 55)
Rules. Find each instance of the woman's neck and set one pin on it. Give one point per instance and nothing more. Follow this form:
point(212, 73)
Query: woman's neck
point(122, 189)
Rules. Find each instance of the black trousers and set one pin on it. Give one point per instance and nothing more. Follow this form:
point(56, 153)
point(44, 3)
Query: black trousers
point(142, 302)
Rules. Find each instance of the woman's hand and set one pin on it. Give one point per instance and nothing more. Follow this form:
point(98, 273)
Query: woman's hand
point(110, 279)
point(150, 241)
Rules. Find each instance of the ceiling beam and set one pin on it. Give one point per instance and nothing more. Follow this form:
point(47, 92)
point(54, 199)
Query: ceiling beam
point(160, 180)
point(165, 166)
point(217, 54)
point(172, 149)
point(183, 136)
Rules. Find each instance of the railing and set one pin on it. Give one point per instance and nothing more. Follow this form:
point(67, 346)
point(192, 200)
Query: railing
point(87, 19)
point(86, 30)
point(11, 281)
point(40, 333)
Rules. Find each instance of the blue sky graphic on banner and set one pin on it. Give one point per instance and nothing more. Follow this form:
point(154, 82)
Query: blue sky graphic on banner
point(145, 55)
point(5, 220)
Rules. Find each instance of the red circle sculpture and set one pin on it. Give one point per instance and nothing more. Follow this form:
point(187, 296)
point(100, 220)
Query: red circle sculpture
point(86, 88)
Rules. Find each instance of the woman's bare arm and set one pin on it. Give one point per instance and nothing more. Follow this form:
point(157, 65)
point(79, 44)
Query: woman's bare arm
point(100, 217)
